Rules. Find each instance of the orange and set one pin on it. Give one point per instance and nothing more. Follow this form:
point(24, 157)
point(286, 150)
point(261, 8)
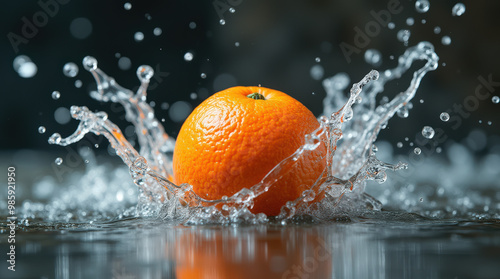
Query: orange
point(236, 136)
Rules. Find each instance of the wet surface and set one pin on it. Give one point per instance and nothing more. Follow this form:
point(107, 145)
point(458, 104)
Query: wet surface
point(378, 245)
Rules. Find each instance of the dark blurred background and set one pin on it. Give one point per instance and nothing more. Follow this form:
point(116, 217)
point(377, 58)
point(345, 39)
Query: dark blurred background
point(272, 43)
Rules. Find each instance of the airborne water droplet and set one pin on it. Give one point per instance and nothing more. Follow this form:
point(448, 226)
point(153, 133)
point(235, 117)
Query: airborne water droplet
point(417, 150)
point(446, 40)
point(317, 72)
point(70, 69)
point(495, 99)
point(145, 73)
point(127, 6)
point(410, 21)
point(444, 116)
point(317, 59)
point(222, 22)
point(428, 132)
point(41, 129)
point(232, 10)
point(89, 63)
point(391, 25)
point(422, 6)
point(58, 161)
point(157, 31)
point(373, 57)
point(203, 75)
point(404, 35)
point(188, 56)
point(458, 9)
point(138, 36)
point(437, 30)
point(24, 66)
point(56, 95)
point(399, 144)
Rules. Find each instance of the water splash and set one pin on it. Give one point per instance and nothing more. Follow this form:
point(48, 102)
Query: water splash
point(349, 126)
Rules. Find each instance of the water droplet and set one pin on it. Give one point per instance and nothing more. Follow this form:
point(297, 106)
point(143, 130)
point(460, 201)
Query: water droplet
point(437, 30)
point(407, 139)
point(444, 116)
point(203, 75)
point(179, 111)
point(232, 10)
point(124, 63)
point(56, 95)
point(404, 35)
point(428, 132)
point(410, 21)
point(188, 56)
point(399, 144)
point(222, 22)
point(439, 149)
point(192, 25)
point(391, 25)
point(96, 145)
point(422, 6)
point(424, 21)
point(489, 123)
point(145, 73)
point(237, 44)
point(24, 66)
point(78, 83)
point(138, 36)
point(348, 114)
point(193, 96)
point(62, 115)
point(373, 57)
point(58, 161)
point(157, 31)
point(417, 150)
point(148, 16)
point(495, 99)
point(89, 63)
point(317, 59)
point(127, 6)
point(403, 112)
point(317, 72)
point(421, 199)
point(70, 69)
point(446, 40)
point(55, 138)
point(41, 129)
point(374, 148)
point(458, 9)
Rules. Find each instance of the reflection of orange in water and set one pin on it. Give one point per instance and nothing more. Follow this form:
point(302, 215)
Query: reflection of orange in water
point(274, 255)
point(235, 137)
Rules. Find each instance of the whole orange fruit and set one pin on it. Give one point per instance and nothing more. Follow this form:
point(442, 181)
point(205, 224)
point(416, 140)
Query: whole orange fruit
point(236, 136)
